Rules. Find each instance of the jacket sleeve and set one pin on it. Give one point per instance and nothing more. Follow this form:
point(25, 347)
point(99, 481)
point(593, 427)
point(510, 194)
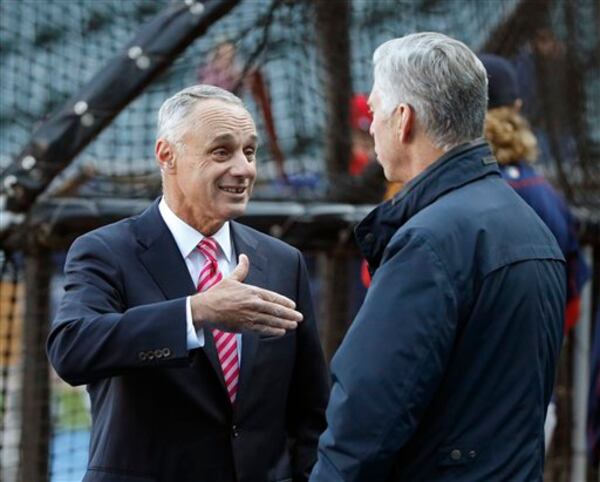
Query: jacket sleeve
point(389, 365)
point(96, 335)
point(310, 385)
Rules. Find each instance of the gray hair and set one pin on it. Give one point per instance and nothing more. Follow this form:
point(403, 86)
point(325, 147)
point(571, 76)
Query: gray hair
point(440, 78)
point(175, 111)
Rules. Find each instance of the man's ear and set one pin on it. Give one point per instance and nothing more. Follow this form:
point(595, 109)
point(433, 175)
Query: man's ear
point(404, 122)
point(165, 156)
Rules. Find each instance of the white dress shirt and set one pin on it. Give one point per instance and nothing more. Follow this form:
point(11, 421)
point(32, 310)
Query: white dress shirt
point(187, 239)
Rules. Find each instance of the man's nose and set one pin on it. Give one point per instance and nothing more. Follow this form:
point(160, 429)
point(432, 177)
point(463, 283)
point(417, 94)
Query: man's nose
point(241, 165)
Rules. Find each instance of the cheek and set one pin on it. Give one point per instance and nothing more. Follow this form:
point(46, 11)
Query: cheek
point(377, 130)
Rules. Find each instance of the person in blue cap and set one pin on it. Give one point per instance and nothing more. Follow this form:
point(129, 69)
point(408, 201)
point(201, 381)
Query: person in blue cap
point(516, 149)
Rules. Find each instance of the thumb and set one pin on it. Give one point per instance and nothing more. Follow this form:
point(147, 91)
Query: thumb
point(241, 270)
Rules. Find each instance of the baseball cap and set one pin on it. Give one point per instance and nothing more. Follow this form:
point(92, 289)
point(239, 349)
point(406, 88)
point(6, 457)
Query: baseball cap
point(503, 85)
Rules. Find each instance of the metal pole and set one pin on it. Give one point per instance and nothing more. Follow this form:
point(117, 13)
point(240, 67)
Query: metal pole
point(332, 21)
point(333, 270)
point(35, 426)
point(581, 381)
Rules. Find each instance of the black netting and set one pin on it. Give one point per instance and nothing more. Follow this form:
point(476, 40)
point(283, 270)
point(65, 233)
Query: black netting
point(50, 49)
point(73, 40)
point(293, 71)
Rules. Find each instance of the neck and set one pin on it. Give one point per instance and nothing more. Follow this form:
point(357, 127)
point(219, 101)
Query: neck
point(192, 216)
point(420, 155)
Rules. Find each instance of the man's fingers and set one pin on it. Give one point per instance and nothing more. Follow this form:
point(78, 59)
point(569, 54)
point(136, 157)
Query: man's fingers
point(280, 312)
point(276, 322)
point(276, 298)
point(264, 322)
point(241, 270)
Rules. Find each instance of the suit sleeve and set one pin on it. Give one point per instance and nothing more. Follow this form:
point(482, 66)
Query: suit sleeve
point(389, 365)
point(309, 387)
point(96, 335)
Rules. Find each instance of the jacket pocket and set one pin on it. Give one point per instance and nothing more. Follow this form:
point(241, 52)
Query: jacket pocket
point(270, 338)
point(97, 474)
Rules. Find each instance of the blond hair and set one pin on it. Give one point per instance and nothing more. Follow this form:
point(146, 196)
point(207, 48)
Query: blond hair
point(510, 136)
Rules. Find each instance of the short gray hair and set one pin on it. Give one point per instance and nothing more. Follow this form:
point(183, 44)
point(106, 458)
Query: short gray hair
point(174, 111)
point(440, 78)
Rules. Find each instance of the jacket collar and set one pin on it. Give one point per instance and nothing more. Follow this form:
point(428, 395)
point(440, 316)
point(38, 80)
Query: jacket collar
point(459, 166)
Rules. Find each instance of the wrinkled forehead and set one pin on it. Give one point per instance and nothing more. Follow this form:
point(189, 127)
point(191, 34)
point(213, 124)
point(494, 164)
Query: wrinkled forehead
point(218, 114)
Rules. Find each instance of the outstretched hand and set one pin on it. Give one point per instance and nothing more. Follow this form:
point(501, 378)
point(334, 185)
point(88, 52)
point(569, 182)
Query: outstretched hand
point(233, 306)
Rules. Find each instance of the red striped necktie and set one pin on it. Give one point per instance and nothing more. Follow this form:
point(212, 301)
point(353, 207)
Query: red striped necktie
point(225, 342)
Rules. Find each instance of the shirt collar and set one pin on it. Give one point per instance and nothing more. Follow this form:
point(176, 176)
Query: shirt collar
point(187, 238)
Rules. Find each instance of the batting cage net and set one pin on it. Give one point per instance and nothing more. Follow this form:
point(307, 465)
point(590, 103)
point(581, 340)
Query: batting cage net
point(81, 84)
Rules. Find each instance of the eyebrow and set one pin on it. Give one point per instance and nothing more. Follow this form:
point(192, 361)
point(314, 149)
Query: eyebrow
point(228, 138)
point(223, 138)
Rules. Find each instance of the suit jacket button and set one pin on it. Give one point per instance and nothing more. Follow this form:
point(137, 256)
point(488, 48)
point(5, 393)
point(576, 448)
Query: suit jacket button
point(150, 355)
point(456, 454)
point(472, 454)
point(166, 352)
point(158, 353)
point(142, 356)
point(234, 431)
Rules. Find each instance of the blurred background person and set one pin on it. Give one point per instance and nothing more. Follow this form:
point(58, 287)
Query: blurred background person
point(542, 70)
point(364, 183)
point(363, 148)
point(222, 69)
point(516, 149)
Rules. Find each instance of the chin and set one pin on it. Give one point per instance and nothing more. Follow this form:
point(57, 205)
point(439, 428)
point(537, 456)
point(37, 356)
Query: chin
point(235, 211)
point(386, 172)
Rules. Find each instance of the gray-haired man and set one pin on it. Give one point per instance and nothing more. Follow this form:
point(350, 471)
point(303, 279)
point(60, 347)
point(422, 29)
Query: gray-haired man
point(447, 370)
point(153, 315)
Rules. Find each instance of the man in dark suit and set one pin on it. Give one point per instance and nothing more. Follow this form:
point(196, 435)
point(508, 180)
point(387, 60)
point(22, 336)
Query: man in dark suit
point(198, 368)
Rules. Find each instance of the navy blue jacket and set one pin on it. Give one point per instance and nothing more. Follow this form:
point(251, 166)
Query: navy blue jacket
point(161, 413)
point(553, 210)
point(447, 369)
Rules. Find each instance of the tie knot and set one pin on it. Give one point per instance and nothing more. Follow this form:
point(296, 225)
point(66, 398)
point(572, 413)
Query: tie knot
point(208, 247)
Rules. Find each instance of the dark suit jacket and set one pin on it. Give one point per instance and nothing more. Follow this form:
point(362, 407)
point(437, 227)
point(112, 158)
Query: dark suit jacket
point(159, 412)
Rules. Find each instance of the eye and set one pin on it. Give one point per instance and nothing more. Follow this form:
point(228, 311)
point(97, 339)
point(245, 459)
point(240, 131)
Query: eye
point(250, 151)
point(221, 153)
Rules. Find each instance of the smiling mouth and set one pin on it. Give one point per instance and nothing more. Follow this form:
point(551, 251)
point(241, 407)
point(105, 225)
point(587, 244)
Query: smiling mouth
point(233, 190)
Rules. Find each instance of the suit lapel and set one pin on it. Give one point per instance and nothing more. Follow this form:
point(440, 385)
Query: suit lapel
point(245, 242)
point(163, 260)
point(160, 255)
